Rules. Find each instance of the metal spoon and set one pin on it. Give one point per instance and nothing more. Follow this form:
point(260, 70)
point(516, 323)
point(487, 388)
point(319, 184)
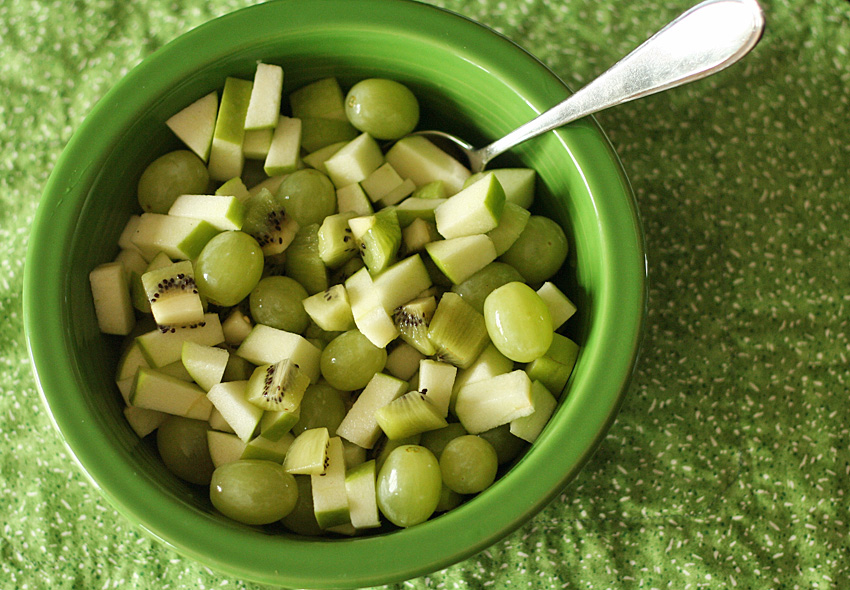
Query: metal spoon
point(703, 40)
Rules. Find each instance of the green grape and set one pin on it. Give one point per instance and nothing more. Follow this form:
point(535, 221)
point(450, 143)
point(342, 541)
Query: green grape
point(475, 289)
point(169, 176)
point(228, 268)
point(182, 444)
point(539, 251)
point(506, 444)
point(308, 196)
point(436, 440)
point(321, 406)
point(449, 499)
point(302, 519)
point(277, 302)
point(349, 361)
point(385, 109)
point(468, 464)
point(385, 446)
point(409, 485)
point(518, 322)
point(253, 491)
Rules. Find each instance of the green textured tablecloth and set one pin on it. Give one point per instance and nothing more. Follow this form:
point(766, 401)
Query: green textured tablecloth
point(728, 466)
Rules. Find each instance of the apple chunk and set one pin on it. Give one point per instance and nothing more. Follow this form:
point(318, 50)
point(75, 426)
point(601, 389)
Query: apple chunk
point(195, 124)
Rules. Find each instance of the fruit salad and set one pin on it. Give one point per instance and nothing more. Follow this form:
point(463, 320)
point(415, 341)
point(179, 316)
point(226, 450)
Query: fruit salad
point(363, 335)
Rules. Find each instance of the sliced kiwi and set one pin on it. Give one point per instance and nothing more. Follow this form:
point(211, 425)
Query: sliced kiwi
point(278, 387)
point(137, 290)
point(303, 262)
point(475, 289)
point(378, 237)
point(330, 310)
point(457, 331)
point(343, 273)
point(336, 242)
point(408, 415)
point(173, 294)
point(266, 220)
point(412, 320)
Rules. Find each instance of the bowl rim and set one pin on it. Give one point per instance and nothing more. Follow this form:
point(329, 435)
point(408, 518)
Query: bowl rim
point(45, 336)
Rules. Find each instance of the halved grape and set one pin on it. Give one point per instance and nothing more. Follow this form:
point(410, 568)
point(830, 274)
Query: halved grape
point(229, 267)
point(475, 289)
point(349, 361)
point(253, 491)
point(385, 109)
point(182, 444)
point(308, 196)
point(507, 445)
point(276, 301)
point(409, 485)
point(176, 173)
point(539, 251)
point(321, 406)
point(436, 440)
point(448, 499)
point(302, 519)
point(468, 464)
point(518, 322)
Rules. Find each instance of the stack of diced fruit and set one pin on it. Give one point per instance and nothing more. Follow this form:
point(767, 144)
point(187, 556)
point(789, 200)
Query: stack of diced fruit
point(359, 334)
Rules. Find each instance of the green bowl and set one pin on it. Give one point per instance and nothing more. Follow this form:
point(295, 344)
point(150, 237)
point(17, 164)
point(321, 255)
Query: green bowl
point(470, 80)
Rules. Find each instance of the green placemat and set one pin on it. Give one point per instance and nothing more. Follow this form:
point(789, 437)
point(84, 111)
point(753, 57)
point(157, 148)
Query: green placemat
point(728, 466)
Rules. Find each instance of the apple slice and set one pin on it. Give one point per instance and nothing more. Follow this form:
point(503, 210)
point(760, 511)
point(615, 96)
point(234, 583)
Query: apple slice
point(322, 98)
point(355, 161)
point(226, 158)
point(112, 304)
point(285, 147)
point(195, 124)
point(222, 212)
point(205, 364)
point(418, 159)
point(474, 210)
point(460, 258)
point(181, 238)
point(242, 416)
point(154, 390)
point(528, 428)
point(257, 143)
point(264, 105)
point(353, 198)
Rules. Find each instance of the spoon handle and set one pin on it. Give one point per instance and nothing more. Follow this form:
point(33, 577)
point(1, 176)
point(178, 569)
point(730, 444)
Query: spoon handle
point(706, 39)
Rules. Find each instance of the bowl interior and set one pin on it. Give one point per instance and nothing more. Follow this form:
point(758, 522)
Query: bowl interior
point(469, 80)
